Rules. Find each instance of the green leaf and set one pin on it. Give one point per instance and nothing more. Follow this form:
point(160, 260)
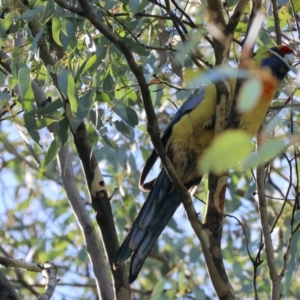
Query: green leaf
point(85, 104)
point(181, 283)
point(29, 14)
point(240, 29)
point(102, 97)
point(33, 123)
point(36, 39)
point(127, 114)
point(90, 65)
point(67, 86)
point(226, 151)
point(6, 23)
point(249, 94)
point(48, 12)
point(51, 154)
point(23, 205)
point(72, 93)
point(63, 130)
point(266, 152)
point(35, 136)
point(96, 118)
point(24, 80)
point(136, 47)
point(108, 142)
point(56, 29)
point(63, 81)
point(122, 128)
point(296, 4)
point(47, 110)
point(43, 122)
point(199, 293)
point(136, 7)
point(158, 289)
point(284, 16)
point(28, 100)
point(108, 83)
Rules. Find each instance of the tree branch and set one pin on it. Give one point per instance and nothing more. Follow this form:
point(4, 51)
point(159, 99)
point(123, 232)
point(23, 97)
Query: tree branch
point(49, 272)
point(85, 223)
point(7, 292)
point(276, 22)
point(96, 185)
point(18, 263)
point(263, 212)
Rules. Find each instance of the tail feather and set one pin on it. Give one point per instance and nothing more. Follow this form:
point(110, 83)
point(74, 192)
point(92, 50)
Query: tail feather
point(159, 222)
point(156, 212)
point(145, 217)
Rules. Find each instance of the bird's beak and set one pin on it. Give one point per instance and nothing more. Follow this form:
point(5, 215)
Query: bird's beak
point(289, 59)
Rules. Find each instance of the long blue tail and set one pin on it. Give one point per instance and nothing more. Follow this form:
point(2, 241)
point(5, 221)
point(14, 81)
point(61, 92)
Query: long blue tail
point(156, 212)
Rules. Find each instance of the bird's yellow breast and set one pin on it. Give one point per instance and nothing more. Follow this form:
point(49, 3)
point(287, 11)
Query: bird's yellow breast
point(194, 132)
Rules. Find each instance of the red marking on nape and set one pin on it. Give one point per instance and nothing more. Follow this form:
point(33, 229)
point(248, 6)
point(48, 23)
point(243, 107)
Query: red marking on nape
point(285, 50)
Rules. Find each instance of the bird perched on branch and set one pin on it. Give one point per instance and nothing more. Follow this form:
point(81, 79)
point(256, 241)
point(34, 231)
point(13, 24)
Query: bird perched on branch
point(188, 134)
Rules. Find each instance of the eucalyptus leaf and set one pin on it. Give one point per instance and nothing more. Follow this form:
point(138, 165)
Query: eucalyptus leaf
point(63, 130)
point(56, 29)
point(51, 153)
point(267, 151)
point(226, 152)
point(47, 110)
point(72, 93)
point(127, 114)
point(36, 39)
point(249, 94)
point(24, 80)
point(28, 15)
point(6, 23)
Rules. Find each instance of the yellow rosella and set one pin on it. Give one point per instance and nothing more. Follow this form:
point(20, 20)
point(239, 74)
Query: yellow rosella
point(188, 134)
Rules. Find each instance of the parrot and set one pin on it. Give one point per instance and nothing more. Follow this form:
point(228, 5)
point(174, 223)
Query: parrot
point(188, 134)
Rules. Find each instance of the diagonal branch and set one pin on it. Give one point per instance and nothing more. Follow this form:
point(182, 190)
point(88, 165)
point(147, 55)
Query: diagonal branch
point(85, 223)
point(7, 290)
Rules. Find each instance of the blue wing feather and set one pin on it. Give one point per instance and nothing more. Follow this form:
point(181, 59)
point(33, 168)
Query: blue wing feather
point(193, 101)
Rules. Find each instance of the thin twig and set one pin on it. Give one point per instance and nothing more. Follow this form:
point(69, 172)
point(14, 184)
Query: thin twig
point(263, 212)
point(276, 22)
point(287, 192)
point(244, 233)
point(258, 262)
point(49, 271)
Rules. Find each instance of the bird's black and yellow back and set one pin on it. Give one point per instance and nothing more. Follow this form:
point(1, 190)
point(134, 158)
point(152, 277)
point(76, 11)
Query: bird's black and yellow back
point(188, 135)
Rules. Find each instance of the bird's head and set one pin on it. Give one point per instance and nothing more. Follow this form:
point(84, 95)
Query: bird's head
point(279, 60)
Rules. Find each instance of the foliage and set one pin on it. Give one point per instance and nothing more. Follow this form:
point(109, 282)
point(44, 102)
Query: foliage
point(37, 223)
